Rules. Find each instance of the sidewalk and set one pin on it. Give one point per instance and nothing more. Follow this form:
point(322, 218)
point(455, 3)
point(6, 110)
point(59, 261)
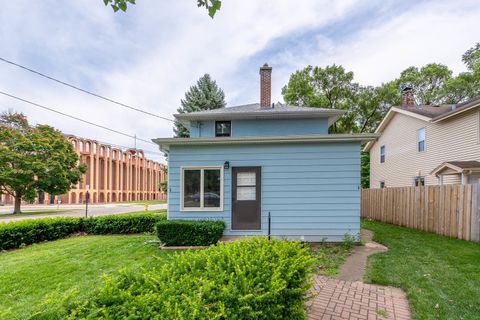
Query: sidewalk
point(347, 297)
point(79, 211)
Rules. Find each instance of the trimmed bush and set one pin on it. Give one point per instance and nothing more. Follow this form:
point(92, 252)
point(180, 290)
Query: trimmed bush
point(18, 233)
point(248, 279)
point(15, 234)
point(122, 223)
point(190, 232)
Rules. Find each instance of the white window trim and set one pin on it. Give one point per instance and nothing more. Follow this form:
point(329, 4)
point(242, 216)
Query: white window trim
point(201, 208)
point(424, 139)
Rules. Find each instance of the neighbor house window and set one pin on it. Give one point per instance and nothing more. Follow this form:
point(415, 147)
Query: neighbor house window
point(382, 154)
point(419, 181)
point(202, 189)
point(421, 140)
point(223, 128)
point(382, 184)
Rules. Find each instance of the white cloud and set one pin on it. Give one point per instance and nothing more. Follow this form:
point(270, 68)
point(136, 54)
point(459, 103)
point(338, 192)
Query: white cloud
point(149, 56)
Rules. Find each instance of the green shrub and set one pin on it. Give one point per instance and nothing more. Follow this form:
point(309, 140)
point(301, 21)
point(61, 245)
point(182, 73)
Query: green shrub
point(122, 223)
point(248, 279)
point(16, 234)
point(190, 232)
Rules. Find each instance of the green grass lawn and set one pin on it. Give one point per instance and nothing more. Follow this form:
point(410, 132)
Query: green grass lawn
point(27, 275)
point(34, 212)
point(149, 202)
point(329, 257)
point(441, 276)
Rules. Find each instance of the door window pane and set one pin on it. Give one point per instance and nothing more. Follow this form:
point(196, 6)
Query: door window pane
point(191, 185)
point(211, 188)
point(246, 179)
point(246, 193)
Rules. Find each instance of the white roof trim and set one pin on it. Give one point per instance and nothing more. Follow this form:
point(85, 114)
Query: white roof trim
point(165, 143)
point(386, 120)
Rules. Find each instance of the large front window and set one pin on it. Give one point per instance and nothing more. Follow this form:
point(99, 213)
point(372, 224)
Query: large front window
point(202, 189)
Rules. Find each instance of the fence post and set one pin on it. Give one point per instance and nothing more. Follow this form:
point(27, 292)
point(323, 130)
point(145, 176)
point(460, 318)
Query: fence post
point(475, 214)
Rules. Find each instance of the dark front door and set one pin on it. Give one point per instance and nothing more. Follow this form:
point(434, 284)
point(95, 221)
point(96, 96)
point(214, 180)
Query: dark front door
point(246, 194)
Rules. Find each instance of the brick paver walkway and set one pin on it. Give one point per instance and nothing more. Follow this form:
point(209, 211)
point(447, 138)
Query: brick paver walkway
point(339, 299)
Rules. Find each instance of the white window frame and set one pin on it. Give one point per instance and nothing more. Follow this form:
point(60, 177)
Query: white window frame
point(384, 154)
point(201, 208)
point(424, 140)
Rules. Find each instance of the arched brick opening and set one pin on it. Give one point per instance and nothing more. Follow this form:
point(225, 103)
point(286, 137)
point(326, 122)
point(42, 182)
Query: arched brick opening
point(114, 197)
point(101, 198)
point(73, 198)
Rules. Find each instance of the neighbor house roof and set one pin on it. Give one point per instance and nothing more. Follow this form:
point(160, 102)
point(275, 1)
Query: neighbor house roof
point(457, 167)
point(165, 143)
point(254, 111)
point(428, 113)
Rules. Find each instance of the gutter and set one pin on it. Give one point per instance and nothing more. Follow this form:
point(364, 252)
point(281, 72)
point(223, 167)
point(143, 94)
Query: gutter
point(165, 143)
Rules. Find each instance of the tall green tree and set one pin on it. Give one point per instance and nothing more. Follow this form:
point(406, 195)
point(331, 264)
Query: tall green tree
point(205, 95)
point(33, 159)
point(330, 87)
point(428, 82)
point(212, 6)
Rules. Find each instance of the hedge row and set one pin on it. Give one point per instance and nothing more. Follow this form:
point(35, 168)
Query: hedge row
point(18, 233)
point(190, 233)
point(248, 279)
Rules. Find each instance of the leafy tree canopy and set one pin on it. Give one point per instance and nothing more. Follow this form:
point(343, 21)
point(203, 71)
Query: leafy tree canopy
point(205, 95)
point(333, 87)
point(33, 159)
point(212, 6)
point(330, 87)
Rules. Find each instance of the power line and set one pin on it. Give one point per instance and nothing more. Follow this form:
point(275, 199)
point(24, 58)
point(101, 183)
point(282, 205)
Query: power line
point(84, 90)
point(76, 118)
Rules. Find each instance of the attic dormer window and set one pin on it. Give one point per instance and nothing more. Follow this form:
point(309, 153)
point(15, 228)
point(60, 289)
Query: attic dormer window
point(223, 128)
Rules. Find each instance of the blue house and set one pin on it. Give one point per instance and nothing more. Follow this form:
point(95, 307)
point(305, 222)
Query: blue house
point(244, 163)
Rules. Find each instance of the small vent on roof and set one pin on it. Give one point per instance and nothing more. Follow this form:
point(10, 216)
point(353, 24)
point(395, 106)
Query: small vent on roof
point(454, 107)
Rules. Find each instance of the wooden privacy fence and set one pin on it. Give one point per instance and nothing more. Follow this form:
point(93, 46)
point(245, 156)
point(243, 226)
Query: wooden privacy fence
point(449, 210)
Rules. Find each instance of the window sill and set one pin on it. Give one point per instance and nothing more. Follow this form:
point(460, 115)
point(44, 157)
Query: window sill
point(201, 209)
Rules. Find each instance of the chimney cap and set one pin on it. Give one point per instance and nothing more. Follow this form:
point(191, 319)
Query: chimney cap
point(265, 67)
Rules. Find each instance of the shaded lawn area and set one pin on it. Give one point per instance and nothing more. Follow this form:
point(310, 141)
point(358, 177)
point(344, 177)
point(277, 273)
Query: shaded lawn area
point(441, 276)
point(27, 275)
point(329, 257)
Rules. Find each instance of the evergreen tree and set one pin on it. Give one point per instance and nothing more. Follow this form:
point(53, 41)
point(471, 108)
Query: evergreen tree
point(205, 95)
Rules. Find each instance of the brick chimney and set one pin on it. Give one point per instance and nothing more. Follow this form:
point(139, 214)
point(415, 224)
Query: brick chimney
point(408, 99)
point(265, 86)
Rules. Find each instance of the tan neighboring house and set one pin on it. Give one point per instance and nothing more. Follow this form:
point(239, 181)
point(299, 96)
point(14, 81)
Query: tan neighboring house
point(426, 145)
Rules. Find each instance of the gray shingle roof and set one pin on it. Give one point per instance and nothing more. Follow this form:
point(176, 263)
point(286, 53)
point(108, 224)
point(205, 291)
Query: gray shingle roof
point(254, 110)
point(430, 111)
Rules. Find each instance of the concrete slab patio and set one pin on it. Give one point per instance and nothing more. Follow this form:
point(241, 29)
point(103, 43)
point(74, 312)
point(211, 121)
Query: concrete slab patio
point(347, 297)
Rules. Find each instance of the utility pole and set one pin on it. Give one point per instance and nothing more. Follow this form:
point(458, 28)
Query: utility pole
point(135, 141)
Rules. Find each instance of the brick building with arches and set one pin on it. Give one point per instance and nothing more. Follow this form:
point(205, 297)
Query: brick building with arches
point(113, 175)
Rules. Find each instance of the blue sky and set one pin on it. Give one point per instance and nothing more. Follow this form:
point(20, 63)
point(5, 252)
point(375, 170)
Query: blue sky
point(149, 56)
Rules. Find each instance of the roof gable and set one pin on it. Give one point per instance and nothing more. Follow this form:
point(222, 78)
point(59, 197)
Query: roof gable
point(428, 113)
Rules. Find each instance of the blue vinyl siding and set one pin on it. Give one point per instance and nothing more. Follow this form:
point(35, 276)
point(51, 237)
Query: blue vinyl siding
point(267, 127)
point(311, 189)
